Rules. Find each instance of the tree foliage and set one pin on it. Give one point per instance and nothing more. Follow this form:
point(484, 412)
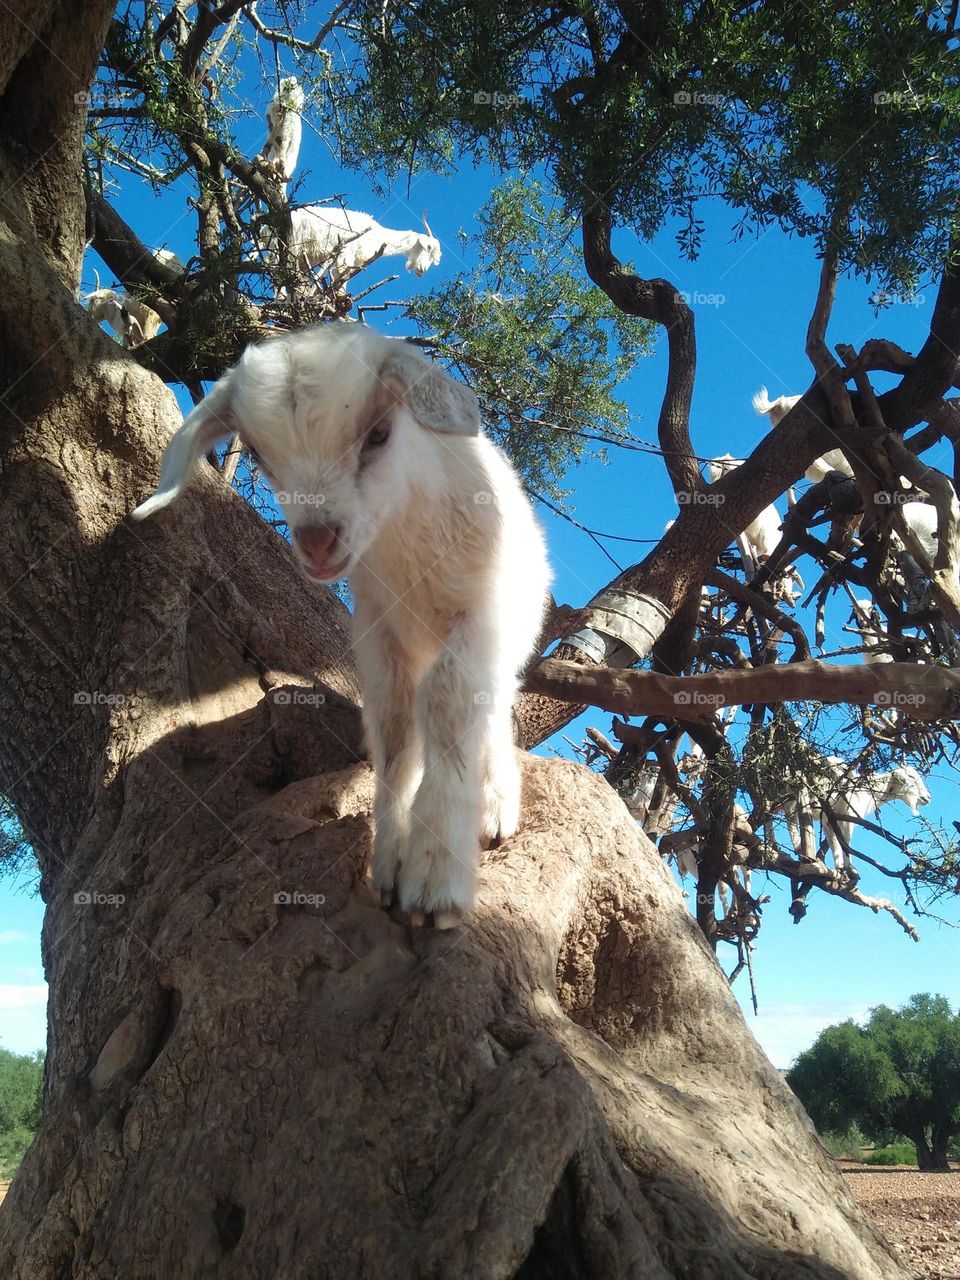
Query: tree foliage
point(21, 1087)
point(899, 1072)
point(657, 109)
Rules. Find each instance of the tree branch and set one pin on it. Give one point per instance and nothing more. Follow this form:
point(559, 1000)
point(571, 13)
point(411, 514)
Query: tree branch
point(924, 692)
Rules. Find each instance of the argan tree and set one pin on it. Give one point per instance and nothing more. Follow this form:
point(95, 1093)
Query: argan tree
point(898, 1072)
point(251, 1069)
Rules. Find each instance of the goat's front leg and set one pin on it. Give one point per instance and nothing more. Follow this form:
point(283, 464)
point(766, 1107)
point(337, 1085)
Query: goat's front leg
point(393, 741)
point(456, 694)
point(499, 773)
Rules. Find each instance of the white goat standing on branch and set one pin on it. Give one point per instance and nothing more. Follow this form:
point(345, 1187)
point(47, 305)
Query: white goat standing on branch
point(759, 539)
point(284, 130)
point(847, 800)
point(129, 318)
point(383, 474)
point(777, 410)
point(346, 241)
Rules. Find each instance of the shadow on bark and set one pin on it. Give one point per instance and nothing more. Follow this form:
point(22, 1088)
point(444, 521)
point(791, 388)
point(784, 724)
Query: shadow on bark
point(254, 1072)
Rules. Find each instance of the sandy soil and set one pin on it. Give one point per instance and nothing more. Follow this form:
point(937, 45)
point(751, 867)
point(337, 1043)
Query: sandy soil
point(919, 1213)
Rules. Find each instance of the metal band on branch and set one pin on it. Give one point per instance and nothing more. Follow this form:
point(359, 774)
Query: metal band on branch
point(622, 627)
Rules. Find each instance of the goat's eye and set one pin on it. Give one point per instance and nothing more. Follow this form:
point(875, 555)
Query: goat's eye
point(378, 436)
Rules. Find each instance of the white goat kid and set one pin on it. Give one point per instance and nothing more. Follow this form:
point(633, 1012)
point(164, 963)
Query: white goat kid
point(346, 241)
point(129, 318)
point(777, 410)
point(850, 800)
point(446, 562)
point(284, 130)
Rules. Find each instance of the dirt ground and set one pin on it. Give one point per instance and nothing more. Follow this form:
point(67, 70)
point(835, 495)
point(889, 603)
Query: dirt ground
point(919, 1213)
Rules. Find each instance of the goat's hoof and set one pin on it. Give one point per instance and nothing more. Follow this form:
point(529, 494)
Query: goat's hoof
point(447, 919)
point(417, 919)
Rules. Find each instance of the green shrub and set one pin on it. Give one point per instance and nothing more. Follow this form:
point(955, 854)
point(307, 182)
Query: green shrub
point(896, 1153)
point(848, 1142)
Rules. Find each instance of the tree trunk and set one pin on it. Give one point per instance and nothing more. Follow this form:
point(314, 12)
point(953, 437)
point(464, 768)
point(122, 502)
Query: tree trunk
point(932, 1155)
point(251, 1070)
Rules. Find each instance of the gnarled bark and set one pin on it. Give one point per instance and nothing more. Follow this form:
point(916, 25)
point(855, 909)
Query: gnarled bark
point(256, 1087)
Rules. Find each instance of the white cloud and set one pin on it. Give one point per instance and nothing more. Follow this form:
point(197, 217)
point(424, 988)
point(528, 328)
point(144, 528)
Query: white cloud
point(785, 1030)
point(23, 1016)
point(14, 935)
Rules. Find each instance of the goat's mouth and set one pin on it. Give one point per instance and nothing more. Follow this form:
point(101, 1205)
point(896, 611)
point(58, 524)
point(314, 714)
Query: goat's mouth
point(326, 572)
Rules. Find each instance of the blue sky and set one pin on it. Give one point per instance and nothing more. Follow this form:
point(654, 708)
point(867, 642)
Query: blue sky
point(752, 301)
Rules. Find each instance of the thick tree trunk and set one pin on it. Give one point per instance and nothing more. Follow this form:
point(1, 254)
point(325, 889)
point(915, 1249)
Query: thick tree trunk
point(932, 1155)
point(252, 1071)
point(255, 1072)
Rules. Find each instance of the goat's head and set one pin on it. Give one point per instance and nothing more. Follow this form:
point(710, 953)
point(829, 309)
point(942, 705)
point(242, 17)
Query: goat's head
point(906, 783)
point(423, 253)
point(290, 94)
point(346, 425)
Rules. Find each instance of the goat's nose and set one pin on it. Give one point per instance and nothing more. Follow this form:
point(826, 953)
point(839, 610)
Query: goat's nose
point(316, 541)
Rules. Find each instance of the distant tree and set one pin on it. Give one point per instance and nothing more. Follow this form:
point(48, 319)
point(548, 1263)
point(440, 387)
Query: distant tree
point(901, 1072)
point(21, 1084)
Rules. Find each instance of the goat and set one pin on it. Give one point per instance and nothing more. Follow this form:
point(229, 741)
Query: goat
point(284, 130)
point(129, 318)
point(347, 241)
point(867, 620)
point(383, 475)
point(846, 801)
point(758, 540)
point(776, 411)
point(167, 258)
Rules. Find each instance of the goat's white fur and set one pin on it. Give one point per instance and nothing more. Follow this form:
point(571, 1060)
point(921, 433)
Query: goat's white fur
point(129, 318)
point(776, 410)
point(345, 241)
point(447, 565)
point(866, 618)
point(284, 129)
point(758, 540)
point(850, 798)
point(167, 258)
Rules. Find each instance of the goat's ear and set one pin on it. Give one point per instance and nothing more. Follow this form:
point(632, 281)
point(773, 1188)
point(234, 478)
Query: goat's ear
point(437, 401)
point(205, 426)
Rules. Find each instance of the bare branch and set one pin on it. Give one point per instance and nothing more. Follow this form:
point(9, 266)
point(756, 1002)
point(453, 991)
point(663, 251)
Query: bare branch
point(926, 692)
